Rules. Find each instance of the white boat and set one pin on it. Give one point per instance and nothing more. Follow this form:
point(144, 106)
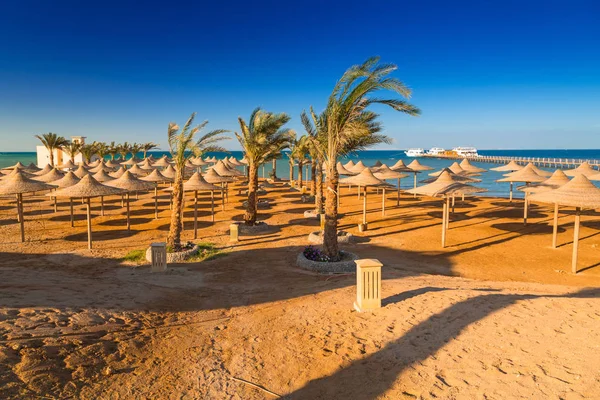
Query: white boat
point(466, 151)
point(414, 152)
point(435, 151)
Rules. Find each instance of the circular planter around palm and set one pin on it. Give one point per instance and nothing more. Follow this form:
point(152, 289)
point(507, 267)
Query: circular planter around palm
point(258, 227)
point(175, 257)
point(261, 203)
point(345, 265)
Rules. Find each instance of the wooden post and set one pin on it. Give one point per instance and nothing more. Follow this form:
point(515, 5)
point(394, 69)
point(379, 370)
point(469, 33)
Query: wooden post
point(576, 240)
point(525, 206)
point(555, 226)
point(222, 196)
point(20, 215)
point(415, 185)
point(71, 209)
point(55, 205)
point(212, 204)
point(383, 202)
point(444, 209)
point(365, 207)
point(358, 192)
point(128, 221)
point(196, 214)
point(156, 200)
point(511, 192)
point(102, 206)
point(398, 200)
point(453, 204)
point(89, 222)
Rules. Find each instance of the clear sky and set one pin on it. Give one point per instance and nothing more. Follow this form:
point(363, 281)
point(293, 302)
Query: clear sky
point(490, 74)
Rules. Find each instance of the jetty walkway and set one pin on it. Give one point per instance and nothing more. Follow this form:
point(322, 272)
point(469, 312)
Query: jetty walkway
point(562, 163)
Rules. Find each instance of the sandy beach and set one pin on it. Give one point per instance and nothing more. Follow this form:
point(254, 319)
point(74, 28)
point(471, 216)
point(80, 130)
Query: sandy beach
point(496, 314)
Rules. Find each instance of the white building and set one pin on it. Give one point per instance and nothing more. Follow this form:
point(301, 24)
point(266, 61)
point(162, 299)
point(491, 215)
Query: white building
point(60, 157)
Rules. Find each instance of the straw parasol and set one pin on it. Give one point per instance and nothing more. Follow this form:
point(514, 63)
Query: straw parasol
point(557, 179)
point(579, 193)
point(102, 177)
point(129, 183)
point(384, 173)
point(221, 168)
point(132, 161)
point(377, 164)
point(112, 164)
point(456, 169)
point(101, 166)
point(349, 165)
point(51, 176)
point(196, 184)
point(87, 188)
point(583, 169)
point(366, 179)
point(163, 162)
point(118, 173)
point(211, 176)
point(446, 185)
point(525, 174)
point(457, 177)
point(235, 162)
point(138, 171)
point(212, 159)
point(467, 166)
point(157, 178)
point(199, 162)
point(342, 170)
point(244, 160)
point(19, 165)
point(169, 172)
point(17, 184)
point(32, 167)
point(541, 172)
point(44, 170)
point(95, 163)
point(68, 165)
point(357, 168)
point(416, 166)
point(69, 179)
point(400, 166)
point(81, 172)
point(146, 164)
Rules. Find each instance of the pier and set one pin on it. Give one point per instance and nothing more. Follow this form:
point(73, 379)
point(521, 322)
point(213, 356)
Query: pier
point(562, 163)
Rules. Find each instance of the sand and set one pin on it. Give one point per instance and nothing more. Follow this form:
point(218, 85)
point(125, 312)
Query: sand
point(496, 314)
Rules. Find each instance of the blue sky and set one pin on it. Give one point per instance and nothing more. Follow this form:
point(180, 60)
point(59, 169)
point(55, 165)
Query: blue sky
point(510, 74)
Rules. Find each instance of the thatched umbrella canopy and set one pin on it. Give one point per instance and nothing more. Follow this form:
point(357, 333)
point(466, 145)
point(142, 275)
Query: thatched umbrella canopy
point(68, 165)
point(377, 164)
point(44, 170)
point(112, 164)
point(53, 175)
point(163, 162)
point(342, 170)
point(95, 163)
point(199, 162)
point(19, 166)
point(235, 162)
point(446, 185)
point(221, 168)
point(212, 159)
point(17, 184)
point(87, 188)
point(357, 168)
point(211, 176)
point(100, 166)
point(130, 183)
point(467, 166)
point(138, 171)
point(69, 179)
point(584, 169)
point(366, 179)
point(32, 167)
point(557, 179)
point(15, 171)
point(510, 167)
point(527, 175)
point(169, 172)
point(461, 177)
point(196, 184)
point(132, 161)
point(579, 193)
point(417, 167)
point(81, 172)
point(384, 173)
point(102, 177)
point(244, 160)
point(118, 173)
point(541, 172)
point(456, 169)
point(146, 164)
point(157, 177)
point(400, 166)
point(349, 165)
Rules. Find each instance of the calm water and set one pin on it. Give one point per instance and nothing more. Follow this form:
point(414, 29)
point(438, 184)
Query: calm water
point(388, 157)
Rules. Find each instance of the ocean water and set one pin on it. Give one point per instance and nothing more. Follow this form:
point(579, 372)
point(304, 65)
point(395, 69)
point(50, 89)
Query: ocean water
point(389, 157)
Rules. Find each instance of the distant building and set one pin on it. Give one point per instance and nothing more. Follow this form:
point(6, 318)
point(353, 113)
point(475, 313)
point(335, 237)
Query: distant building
point(60, 157)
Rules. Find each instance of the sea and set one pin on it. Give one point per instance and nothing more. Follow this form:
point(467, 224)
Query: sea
point(389, 157)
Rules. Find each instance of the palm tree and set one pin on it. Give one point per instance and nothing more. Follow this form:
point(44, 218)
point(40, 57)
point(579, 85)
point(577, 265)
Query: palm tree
point(87, 152)
point(348, 126)
point(72, 149)
point(52, 142)
point(183, 145)
point(113, 150)
point(315, 142)
point(102, 149)
point(146, 147)
point(134, 149)
point(299, 153)
point(124, 149)
point(262, 140)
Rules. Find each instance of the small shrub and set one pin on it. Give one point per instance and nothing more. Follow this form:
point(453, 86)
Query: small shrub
point(314, 254)
point(135, 256)
point(206, 251)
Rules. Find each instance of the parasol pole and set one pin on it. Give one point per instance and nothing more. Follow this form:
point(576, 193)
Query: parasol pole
point(383, 202)
point(576, 239)
point(555, 226)
point(444, 224)
point(398, 200)
point(20, 214)
point(71, 209)
point(415, 185)
point(128, 221)
point(155, 200)
point(365, 207)
point(212, 204)
point(89, 222)
point(195, 214)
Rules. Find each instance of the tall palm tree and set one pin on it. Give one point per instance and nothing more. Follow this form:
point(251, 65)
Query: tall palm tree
point(350, 126)
point(123, 150)
point(146, 147)
point(87, 152)
point(72, 149)
point(262, 140)
point(102, 149)
point(113, 150)
point(315, 143)
point(299, 152)
point(52, 142)
point(183, 145)
point(134, 149)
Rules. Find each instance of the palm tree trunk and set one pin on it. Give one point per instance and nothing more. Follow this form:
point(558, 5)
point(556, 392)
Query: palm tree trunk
point(313, 177)
point(174, 236)
point(330, 243)
point(274, 169)
point(319, 191)
point(51, 150)
point(300, 177)
point(291, 171)
point(250, 216)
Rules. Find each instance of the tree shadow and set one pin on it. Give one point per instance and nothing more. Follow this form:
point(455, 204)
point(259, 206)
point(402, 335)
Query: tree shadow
point(98, 236)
